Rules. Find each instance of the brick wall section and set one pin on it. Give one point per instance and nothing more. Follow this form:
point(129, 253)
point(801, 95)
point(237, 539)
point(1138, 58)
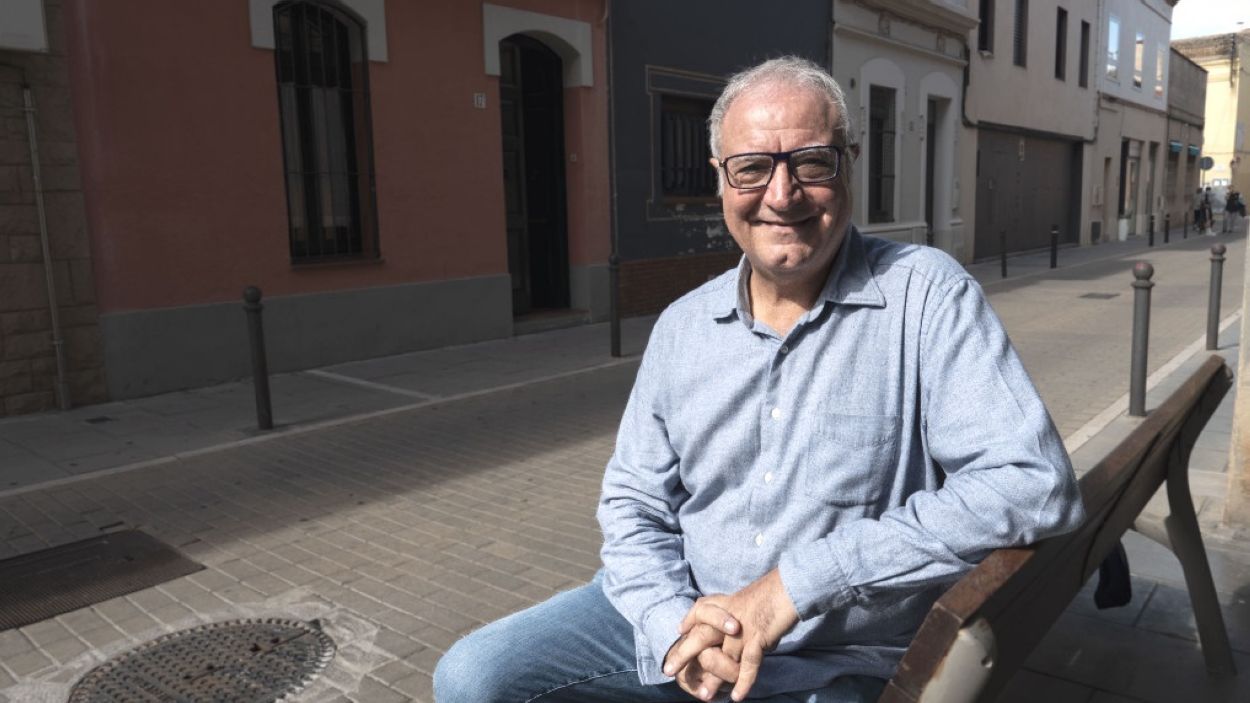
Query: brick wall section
point(27, 358)
point(647, 286)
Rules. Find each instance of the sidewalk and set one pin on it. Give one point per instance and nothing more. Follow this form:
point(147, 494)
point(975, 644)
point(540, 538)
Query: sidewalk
point(428, 493)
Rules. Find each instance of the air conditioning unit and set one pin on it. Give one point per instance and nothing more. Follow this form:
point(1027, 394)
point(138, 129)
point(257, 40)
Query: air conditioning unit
point(22, 27)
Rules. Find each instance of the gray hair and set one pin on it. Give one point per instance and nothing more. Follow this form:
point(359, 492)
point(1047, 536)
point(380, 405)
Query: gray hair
point(790, 70)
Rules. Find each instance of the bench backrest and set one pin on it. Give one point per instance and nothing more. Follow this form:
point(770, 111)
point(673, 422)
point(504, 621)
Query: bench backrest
point(979, 633)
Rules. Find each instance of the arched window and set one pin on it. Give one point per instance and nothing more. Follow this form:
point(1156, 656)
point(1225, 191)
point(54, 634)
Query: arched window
point(327, 145)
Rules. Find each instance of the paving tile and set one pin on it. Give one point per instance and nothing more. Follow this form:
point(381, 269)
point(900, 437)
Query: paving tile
point(1171, 613)
point(27, 663)
point(1031, 687)
point(1156, 668)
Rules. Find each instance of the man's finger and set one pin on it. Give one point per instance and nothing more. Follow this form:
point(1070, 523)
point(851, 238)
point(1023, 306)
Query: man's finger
point(715, 661)
point(748, 669)
point(709, 685)
point(711, 614)
point(699, 638)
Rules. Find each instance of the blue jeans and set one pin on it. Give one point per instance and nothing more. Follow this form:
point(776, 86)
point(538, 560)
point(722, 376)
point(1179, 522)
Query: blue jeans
point(576, 648)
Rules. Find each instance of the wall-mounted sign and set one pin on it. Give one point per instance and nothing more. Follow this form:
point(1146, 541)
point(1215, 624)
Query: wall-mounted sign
point(1206, 163)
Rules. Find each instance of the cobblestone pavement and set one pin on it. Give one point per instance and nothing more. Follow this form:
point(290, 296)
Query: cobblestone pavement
point(430, 521)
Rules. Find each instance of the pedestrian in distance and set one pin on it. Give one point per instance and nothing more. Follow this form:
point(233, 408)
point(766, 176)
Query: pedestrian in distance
point(818, 443)
point(1208, 212)
point(1199, 210)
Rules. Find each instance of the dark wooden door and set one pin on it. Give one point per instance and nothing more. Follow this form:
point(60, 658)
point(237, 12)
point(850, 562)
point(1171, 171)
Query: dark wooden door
point(531, 93)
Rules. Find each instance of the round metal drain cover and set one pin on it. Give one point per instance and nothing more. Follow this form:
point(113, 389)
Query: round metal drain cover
point(249, 661)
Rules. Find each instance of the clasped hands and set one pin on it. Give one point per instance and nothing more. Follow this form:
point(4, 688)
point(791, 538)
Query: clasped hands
point(724, 638)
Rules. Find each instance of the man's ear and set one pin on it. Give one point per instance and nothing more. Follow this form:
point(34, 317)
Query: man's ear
point(852, 150)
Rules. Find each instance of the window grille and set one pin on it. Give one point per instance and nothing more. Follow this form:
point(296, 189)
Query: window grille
point(685, 171)
point(881, 144)
point(1021, 44)
point(323, 101)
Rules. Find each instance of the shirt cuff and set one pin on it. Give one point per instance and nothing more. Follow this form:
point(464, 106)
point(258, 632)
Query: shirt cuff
point(814, 579)
point(659, 628)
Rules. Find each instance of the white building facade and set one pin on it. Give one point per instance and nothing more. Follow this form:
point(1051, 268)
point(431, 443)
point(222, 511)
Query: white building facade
point(901, 63)
point(1127, 166)
point(1030, 109)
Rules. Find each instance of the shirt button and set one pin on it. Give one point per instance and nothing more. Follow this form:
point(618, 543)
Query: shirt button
point(768, 477)
point(785, 349)
point(776, 413)
point(759, 539)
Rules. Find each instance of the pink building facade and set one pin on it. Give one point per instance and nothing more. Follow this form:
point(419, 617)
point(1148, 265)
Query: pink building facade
point(450, 187)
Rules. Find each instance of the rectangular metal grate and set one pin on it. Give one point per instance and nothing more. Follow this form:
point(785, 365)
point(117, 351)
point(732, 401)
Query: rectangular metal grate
point(1100, 296)
point(47, 583)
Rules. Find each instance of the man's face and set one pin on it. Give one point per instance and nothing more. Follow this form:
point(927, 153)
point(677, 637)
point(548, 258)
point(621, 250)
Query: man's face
point(789, 231)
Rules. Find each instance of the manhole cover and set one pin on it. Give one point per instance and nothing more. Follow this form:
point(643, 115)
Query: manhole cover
point(249, 661)
point(1100, 296)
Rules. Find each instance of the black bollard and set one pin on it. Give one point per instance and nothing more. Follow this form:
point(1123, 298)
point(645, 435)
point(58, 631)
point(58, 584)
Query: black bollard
point(1054, 246)
point(1142, 284)
point(614, 326)
point(1185, 226)
point(1167, 226)
point(1002, 249)
point(1151, 230)
point(928, 236)
point(260, 366)
point(1213, 302)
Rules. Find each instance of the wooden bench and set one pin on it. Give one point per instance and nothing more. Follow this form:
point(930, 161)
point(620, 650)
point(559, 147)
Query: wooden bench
point(978, 634)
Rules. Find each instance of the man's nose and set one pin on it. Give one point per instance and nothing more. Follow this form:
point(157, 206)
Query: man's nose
point(782, 189)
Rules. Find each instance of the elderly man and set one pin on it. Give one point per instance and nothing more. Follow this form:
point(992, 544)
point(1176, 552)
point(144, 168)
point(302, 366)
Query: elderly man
point(817, 444)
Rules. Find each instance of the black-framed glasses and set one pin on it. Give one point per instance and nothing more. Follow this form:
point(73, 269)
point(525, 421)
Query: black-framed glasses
point(811, 164)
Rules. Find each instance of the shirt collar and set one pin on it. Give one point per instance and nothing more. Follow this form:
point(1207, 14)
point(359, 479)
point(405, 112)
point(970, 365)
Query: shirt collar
point(850, 282)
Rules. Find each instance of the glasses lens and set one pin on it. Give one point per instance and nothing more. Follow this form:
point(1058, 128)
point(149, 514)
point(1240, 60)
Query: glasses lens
point(749, 170)
point(814, 165)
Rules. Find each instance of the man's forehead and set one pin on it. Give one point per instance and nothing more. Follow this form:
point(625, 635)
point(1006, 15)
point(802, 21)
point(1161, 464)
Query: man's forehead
point(776, 91)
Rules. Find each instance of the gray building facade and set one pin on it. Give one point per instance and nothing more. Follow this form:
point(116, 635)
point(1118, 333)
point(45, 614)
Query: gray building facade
point(669, 62)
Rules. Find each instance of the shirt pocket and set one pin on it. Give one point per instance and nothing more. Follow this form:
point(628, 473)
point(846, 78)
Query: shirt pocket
point(852, 458)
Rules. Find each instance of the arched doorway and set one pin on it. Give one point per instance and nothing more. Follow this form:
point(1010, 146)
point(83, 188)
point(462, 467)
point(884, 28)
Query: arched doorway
point(531, 105)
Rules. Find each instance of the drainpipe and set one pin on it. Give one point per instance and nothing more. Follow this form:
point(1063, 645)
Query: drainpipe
point(614, 259)
point(58, 344)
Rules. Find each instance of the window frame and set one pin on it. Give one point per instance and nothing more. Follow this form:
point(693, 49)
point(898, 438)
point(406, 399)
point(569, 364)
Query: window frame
point(985, 29)
point(1113, 49)
point(1020, 43)
point(1061, 44)
point(698, 147)
point(1083, 76)
point(1139, 60)
point(877, 154)
point(316, 155)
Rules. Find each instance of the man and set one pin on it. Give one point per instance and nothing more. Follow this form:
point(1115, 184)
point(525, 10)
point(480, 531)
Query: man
point(818, 443)
point(1199, 209)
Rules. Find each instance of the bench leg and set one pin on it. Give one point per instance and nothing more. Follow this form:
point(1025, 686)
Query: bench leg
point(1186, 542)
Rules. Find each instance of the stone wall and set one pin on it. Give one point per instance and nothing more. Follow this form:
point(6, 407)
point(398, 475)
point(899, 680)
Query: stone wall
point(27, 358)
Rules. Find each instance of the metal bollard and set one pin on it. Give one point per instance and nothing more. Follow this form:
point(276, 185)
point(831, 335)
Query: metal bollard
point(614, 278)
point(260, 366)
point(1185, 226)
point(1213, 302)
point(1142, 284)
point(1151, 241)
point(1167, 226)
point(928, 236)
point(1002, 249)
point(1054, 246)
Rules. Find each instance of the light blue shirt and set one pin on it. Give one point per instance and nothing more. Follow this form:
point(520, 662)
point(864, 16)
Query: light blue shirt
point(875, 453)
